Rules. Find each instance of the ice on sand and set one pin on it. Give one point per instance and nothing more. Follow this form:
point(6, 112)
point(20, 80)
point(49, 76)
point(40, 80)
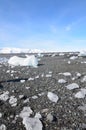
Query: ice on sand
point(30, 123)
point(81, 93)
point(72, 86)
point(53, 97)
point(28, 61)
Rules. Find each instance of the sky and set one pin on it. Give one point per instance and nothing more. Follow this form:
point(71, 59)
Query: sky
point(58, 25)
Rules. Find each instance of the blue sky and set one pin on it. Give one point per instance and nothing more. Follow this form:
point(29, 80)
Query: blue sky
point(43, 24)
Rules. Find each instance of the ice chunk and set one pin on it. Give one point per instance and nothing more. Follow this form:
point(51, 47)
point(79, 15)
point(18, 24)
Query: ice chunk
point(0, 114)
point(73, 57)
point(83, 108)
point(21, 96)
point(13, 101)
point(32, 123)
point(34, 97)
point(78, 74)
point(53, 97)
point(30, 79)
point(22, 81)
point(4, 96)
point(28, 61)
point(37, 77)
point(82, 53)
point(48, 75)
point(27, 100)
point(81, 93)
point(69, 62)
point(67, 74)
point(50, 117)
point(38, 115)
point(61, 54)
point(3, 127)
point(72, 86)
point(26, 112)
point(62, 81)
point(84, 79)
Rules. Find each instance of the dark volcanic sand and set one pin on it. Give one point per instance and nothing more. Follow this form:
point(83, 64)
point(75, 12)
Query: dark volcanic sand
point(66, 112)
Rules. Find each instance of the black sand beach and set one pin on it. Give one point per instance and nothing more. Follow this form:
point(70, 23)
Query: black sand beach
point(31, 85)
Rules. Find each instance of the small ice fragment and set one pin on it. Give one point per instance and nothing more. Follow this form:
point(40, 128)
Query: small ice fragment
point(84, 79)
point(67, 74)
point(30, 79)
point(34, 97)
point(48, 75)
point(38, 115)
point(3, 127)
point(0, 114)
point(73, 57)
point(26, 112)
point(13, 101)
point(50, 117)
point(72, 86)
point(53, 97)
point(81, 93)
point(21, 96)
point(32, 123)
point(37, 77)
point(69, 62)
point(22, 81)
point(62, 81)
point(27, 100)
point(4, 96)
